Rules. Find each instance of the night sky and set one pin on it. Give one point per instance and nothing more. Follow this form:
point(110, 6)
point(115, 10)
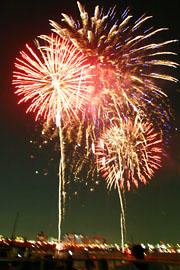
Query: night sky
point(152, 211)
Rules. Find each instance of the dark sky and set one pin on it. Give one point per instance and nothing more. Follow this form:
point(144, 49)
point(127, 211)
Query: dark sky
point(152, 211)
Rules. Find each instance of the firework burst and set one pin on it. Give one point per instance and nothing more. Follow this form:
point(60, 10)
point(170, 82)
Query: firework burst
point(124, 54)
point(129, 152)
point(55, 82)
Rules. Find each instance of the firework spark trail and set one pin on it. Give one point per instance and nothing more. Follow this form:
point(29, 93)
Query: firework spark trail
point(127, 152)
point(56, 84)
point(85, 134)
